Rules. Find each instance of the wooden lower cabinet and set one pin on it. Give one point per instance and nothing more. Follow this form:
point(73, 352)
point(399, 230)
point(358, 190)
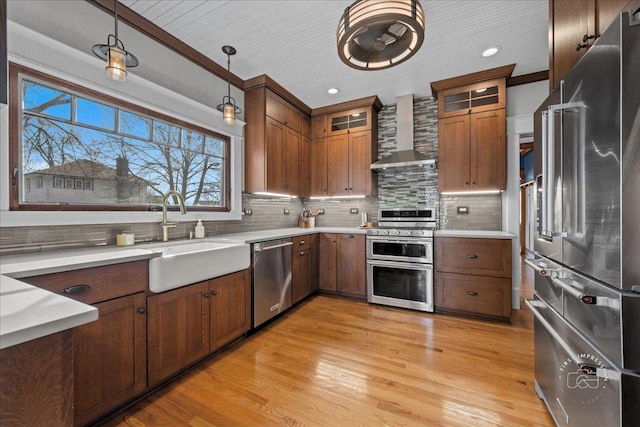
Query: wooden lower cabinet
point(304, 270)
point(36, 382)
point(188, 323)
point(109, 355)
point(473, 277)
point(342, 266)
point(230, 308)
point(178, 330)
point(110, 358)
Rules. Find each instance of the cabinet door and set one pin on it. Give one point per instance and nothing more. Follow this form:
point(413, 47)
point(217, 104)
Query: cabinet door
point(178, 332)
point(360, 175)
point(230, 308)
point(488, 153)
point(338, 165)
point(301, 274)
point(569, 22)
point(319, 167)
point(327, 262)
point(314, 255)
point(292, 178)
point(351, 265)
point(305, 167)
point(280, 110)
point(110, 358)
point(453, 154)
point(318, 126)
point(275, 149)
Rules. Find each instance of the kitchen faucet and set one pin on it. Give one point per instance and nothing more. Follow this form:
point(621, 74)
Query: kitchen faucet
point(167, 225)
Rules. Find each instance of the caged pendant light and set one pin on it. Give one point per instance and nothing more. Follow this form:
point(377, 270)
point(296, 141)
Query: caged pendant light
point(228, 106)
point(378, 34)
point(117, 57)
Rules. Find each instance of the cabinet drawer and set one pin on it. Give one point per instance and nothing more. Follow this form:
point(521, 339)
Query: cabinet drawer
point(102, 283)
point(302, 242)
point(485, 257)
point(280, 110)
point(473, 295)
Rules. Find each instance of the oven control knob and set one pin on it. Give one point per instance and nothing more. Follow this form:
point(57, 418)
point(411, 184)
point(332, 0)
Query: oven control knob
point(397, 232)
point(384, 232)
point(373, 232)
point(417, 233)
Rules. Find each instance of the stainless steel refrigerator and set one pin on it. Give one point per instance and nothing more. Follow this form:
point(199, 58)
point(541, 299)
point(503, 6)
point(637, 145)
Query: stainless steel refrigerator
point(587, 246)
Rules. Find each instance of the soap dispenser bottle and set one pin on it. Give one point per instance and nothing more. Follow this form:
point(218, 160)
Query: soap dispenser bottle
point(199, 230)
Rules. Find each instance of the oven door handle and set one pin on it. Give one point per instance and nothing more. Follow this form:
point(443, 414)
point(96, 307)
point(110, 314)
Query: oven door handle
point(404, 265)
point(413, 240)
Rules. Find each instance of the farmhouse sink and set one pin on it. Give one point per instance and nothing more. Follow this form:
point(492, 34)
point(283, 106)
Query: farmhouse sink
point(187, 262)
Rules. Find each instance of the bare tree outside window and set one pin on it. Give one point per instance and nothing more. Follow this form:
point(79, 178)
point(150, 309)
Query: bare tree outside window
point(124, 157)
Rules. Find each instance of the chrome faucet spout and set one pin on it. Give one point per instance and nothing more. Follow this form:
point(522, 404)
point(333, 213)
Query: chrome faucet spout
point(183, 211)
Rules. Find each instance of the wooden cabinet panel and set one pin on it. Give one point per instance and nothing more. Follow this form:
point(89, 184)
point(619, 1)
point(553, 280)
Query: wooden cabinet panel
point(110, 358)
point(102, 283)
point(338, 165)
point(318, 126)
point(178, 331)
point(453, 154)
point(292, 177)
point(474, 295)
point(569, 22)
point(473, 98)
point(305, 167)
point(230, 308)
point(282, 111)
point(351, 265)
point(36, 382)
point(275, 152)
point(327, 262)
point(319, 177)
point(315, 257)
point(356, 120)
point(302, 242)
point(301, 274)
point(488, 154)
point(473, 277)
point(360, 175)
point(486, 257)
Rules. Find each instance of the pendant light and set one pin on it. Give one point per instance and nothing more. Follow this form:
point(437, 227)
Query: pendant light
point(378, 34)
point(118, 59)
point(228, 106)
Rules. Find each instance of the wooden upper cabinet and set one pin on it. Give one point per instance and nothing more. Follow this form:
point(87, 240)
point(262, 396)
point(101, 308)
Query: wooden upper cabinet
point(280, 110)
point(319, 165)
point(355, 120)
point(473, 98)
point(360, 159)
point(472, 131)
point(570, 21)
point(318, 126)
point(277, 123)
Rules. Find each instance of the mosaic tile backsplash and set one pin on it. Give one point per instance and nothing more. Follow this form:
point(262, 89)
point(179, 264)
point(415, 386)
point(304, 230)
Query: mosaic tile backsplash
point(409, 187)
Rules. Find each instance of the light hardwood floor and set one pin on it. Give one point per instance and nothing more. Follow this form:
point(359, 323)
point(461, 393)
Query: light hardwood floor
point(337, 362)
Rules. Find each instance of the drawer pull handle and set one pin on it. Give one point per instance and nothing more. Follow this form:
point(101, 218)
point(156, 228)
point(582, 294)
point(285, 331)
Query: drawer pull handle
point(472, 293)
point(350, 236)
point(75, 289)
point(472, 256)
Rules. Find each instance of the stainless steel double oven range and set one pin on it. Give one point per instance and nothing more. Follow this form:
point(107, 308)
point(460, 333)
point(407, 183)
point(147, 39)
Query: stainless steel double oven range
point(400, 259)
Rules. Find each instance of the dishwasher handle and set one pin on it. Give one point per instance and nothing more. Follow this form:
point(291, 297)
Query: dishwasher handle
point(268, 248)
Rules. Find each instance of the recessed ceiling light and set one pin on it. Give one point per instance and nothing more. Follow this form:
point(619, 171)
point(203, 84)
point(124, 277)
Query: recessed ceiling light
point(333, 91)
point(490, 52)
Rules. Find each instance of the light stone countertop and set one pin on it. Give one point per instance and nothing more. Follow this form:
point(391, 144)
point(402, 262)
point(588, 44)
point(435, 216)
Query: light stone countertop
point(28, 312)
point(475, 234)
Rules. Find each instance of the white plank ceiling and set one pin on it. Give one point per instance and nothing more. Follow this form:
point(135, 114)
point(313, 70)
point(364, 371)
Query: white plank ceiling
point(294, 42)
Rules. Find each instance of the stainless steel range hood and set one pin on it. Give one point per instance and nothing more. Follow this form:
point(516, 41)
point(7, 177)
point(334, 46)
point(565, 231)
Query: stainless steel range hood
point(405, 154)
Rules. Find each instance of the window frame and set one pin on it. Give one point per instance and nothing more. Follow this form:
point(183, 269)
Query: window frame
point(15, 146)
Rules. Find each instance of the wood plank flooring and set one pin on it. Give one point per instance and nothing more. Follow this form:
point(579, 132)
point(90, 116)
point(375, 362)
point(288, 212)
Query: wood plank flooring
point(337, 362)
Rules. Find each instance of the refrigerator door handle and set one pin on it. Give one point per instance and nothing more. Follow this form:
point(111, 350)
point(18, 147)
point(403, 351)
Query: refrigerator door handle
point(540, 267)
point(584, 298)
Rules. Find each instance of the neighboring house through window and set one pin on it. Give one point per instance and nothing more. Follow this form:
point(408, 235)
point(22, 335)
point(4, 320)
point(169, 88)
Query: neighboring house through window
point(88, 151)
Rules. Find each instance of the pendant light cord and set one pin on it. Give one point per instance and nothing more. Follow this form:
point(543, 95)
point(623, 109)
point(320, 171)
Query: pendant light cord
point(116, 17)
point(229, 76)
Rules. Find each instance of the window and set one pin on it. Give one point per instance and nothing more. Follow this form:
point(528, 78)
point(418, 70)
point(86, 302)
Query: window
point(127, 156)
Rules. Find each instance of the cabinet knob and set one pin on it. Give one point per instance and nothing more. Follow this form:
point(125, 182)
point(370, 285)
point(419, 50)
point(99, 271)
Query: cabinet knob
point(346, 189)
point(301, 242)
point(350, 236)
point(141, 310)
point(472, 293)
point(472, 256)
point(302, 253)
point(206, 295)
point(214, 293)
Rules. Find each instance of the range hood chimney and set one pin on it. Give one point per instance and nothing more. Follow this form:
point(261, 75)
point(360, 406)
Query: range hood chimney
point(405, 155)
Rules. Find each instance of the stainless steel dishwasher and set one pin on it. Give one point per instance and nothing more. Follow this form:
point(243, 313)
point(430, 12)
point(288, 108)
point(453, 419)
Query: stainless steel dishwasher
point(271, 271)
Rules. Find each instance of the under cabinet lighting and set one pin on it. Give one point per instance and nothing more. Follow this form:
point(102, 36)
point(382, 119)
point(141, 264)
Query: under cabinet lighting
point(266, 193)
point(470, 193)
point(354, 196)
